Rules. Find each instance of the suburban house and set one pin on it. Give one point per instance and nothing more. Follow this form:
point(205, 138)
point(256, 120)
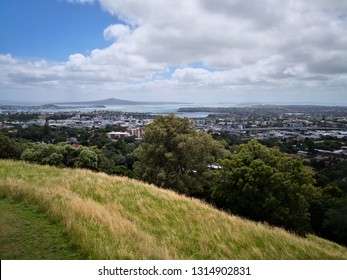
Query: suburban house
point(337, 154)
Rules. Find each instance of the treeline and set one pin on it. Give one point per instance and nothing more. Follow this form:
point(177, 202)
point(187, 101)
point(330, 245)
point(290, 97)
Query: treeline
point(248, 179)
point(96, 152)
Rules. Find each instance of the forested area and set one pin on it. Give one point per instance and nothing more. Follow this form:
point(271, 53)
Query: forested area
point(259, 181)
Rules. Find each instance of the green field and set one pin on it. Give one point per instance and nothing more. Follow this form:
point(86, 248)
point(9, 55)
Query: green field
point(107, 217)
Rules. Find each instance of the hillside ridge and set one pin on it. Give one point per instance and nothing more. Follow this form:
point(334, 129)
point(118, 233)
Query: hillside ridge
point(110, 217)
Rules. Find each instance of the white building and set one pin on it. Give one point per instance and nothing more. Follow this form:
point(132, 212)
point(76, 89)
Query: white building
point(113, 135)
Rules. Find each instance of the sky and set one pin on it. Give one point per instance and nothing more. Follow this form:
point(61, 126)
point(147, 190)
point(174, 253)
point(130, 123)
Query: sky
point(203, 51)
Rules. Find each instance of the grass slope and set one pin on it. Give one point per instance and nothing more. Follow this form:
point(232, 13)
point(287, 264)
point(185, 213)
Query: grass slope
point(118, 218)
point(26, 234)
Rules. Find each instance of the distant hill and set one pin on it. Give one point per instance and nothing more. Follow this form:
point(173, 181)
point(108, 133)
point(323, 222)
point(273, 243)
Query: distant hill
point(115, 101)
point(110, 217)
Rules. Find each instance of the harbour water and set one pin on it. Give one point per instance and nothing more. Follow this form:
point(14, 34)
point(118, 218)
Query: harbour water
point(155, 109)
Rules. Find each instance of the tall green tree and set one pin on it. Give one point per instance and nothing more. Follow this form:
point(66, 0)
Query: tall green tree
point(174, 155)
point(264, 184)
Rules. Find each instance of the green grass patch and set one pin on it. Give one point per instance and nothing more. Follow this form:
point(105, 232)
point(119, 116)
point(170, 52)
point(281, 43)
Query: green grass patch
point(26, 234)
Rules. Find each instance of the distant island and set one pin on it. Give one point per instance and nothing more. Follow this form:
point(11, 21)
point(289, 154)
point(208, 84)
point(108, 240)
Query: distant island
point(115, 101)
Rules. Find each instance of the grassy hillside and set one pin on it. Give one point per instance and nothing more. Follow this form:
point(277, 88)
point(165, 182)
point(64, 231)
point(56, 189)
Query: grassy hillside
point(117, 218)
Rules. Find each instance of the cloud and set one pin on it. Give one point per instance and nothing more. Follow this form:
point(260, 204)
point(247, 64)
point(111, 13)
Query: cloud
point(224, 34)
point(239, 44)
point(116, 31)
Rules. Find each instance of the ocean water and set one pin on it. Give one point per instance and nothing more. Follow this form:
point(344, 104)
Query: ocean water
point(161, 109)
point(155, 109)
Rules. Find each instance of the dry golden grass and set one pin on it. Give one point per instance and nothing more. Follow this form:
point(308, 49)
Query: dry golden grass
point(118, 218)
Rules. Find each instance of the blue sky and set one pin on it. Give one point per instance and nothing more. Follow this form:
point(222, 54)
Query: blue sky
point(51, 29)
point(198, 50)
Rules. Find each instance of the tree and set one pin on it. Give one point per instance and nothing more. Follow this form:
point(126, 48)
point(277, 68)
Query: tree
point(9, 149)
point(329, 214)
point(38, 153)
point(264, 184)
point(173, 155)
point(103, 164)
point(86, 159)
point(335, 223)
point(121, 171)
point(55, 159)
point(98, 140)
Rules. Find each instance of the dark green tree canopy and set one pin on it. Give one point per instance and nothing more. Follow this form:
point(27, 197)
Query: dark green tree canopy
point(173, 155)
point(9, 149)
point(264, 184)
